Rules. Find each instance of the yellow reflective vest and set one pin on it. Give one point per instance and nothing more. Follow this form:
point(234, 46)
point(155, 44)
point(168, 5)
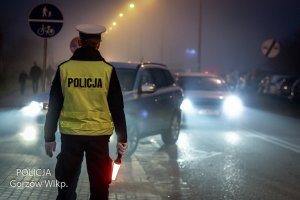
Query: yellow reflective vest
point(85, 108)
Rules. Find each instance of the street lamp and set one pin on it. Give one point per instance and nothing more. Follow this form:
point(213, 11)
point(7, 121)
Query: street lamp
point(131, 5)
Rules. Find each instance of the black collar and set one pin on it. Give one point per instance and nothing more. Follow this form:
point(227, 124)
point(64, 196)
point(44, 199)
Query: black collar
point(87, 54)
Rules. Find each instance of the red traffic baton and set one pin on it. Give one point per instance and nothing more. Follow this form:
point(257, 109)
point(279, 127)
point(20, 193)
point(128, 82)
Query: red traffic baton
point(116, 167)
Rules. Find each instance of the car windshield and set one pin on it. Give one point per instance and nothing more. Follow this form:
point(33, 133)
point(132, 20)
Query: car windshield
point(202, 83)
point(126, 78)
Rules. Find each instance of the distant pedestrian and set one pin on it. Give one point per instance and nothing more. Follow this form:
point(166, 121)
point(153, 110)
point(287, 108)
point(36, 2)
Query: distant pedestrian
point(22, 81)
point(35, 75)
point(49, 74)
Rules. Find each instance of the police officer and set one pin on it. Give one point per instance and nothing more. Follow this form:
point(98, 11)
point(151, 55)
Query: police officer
point(86, 101)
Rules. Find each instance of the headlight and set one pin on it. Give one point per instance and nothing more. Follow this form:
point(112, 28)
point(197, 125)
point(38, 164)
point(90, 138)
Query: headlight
point(29, 134)
point(232, 106)
point(32, 109)
point(232, 138)
point(186, 105)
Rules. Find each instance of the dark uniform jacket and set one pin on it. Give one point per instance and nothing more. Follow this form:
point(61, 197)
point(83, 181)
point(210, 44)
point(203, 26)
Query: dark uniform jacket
point(114, 98)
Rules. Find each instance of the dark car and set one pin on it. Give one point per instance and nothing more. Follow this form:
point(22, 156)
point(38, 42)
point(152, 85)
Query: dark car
point(286, 86)
point(152, 101)
point(295, 92)
point(207, 95)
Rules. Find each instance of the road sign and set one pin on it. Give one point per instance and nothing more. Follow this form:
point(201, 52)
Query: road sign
point(270, 48)
point(74, 44)
point(45, 20)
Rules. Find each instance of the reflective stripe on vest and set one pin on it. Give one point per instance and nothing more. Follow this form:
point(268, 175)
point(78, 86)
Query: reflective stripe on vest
point(85, 110)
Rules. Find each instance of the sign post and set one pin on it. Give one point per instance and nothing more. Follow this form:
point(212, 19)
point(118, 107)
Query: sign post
point(45, 21)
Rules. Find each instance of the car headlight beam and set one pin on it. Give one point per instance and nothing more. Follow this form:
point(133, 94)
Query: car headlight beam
point(232, 106)
point(29, 134)
point(32, 109)
point(186, 105)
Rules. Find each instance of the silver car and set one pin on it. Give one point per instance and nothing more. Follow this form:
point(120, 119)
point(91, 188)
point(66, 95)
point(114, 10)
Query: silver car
point(207, 95)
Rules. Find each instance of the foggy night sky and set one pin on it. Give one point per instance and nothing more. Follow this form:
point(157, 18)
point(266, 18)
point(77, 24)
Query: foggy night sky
point(158, 30)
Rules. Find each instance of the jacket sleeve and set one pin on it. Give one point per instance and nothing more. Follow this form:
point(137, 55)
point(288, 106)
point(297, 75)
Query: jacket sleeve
point(56, 100)
point(116, 106)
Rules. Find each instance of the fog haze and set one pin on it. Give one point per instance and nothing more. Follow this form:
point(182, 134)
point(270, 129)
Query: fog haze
point(228, 34)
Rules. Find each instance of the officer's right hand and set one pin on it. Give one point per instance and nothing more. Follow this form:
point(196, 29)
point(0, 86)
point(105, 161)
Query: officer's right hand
point(50, 148)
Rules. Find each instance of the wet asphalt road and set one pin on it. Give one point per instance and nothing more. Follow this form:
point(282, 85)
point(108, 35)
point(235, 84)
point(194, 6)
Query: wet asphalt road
point(256, 158)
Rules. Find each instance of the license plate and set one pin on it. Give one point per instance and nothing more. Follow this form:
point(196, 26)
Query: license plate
point(208, 112)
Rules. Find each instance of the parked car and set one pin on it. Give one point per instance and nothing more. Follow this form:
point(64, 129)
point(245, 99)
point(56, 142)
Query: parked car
point(208, 95)
point(270, 85)
point(295, 92)
point(152, 101)
point(286, 86)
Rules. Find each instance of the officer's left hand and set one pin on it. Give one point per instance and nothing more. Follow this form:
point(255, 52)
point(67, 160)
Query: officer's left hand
point(121, 147)
point(50, 148)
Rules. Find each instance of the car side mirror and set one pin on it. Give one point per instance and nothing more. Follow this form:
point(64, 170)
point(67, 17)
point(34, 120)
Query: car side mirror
point(45, 106)
point(148, 88)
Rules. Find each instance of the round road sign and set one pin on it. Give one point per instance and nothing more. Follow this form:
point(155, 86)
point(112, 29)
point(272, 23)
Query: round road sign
point(45, 20)
point(270, 48)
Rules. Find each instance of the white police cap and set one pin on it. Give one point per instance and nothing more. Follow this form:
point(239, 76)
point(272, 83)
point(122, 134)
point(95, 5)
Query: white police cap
point(90, 30)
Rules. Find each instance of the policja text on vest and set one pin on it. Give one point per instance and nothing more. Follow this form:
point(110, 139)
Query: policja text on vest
point(85, 82)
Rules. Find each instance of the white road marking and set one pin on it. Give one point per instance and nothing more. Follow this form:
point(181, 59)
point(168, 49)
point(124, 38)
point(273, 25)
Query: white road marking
point(274, 140)
point(154, 142)
point(184, 148)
